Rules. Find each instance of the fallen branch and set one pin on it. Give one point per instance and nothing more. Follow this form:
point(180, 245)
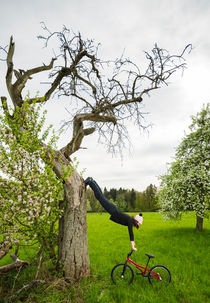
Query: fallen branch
point(30, 285)
point(17, 263)
point(24, 288)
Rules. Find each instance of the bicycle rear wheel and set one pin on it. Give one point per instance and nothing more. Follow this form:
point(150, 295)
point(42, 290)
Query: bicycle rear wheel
point(159, 276)
point(122, 274)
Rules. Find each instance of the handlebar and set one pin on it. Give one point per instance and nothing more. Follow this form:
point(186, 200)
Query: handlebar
point(130, 253)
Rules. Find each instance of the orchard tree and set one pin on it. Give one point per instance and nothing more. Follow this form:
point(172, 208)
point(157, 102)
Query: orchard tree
point(186, 185)
point(30, 193)
point(150, 196)
point(104, 96)
point(132, 198)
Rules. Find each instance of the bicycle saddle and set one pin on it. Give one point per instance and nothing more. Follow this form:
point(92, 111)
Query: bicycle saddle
point(149, 256)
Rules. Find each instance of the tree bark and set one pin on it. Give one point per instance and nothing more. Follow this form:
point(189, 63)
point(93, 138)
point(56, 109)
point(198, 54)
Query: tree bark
point(199, 223)
point(73, 256)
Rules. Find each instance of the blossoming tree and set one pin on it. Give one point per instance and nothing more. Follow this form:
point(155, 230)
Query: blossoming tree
point(29, 190)
point(186, 185)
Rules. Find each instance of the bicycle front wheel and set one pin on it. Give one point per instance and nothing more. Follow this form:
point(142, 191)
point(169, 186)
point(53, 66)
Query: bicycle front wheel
point(122, 274)
point(159, 275)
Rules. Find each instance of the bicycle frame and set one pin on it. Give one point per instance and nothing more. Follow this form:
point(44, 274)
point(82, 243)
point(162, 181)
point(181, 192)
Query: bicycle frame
point(143, 269)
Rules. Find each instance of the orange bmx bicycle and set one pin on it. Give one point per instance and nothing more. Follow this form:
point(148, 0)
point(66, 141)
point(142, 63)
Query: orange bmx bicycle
point(123, 273)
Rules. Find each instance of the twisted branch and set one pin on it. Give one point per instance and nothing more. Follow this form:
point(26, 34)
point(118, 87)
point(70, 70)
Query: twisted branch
point(102, 102)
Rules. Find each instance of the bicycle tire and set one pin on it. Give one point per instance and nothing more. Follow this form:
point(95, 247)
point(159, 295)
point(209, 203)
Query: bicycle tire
point(165, 276)
point(122, 274)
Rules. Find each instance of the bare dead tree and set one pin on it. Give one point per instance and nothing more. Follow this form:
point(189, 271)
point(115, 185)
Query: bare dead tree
point(104, 95)
point(107, 93)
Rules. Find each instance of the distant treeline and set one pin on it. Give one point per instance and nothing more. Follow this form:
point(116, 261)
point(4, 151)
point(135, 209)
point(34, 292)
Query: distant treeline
point(126, 199)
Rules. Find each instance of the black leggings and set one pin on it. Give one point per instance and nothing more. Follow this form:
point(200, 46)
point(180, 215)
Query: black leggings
point(107, 205)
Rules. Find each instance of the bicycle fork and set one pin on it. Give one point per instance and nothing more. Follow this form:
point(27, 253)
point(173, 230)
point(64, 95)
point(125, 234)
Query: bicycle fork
point(123, 272)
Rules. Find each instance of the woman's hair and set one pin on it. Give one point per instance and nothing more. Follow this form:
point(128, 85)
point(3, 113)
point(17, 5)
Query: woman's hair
point(135, 223)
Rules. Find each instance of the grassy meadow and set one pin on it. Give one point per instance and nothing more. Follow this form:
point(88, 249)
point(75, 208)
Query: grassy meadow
point(175, 244)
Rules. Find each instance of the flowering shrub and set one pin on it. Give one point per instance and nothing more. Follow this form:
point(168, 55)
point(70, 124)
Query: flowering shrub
point(186, 186)
point(29, 190)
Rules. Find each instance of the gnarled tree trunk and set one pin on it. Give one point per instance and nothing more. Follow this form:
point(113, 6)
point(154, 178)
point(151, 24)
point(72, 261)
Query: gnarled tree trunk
point(73, 256)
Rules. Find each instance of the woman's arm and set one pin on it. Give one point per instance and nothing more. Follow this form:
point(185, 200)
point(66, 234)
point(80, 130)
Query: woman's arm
point(133, 246)
point(130, 230)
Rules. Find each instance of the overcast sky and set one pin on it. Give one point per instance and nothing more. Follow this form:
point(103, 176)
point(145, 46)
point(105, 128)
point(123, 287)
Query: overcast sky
point(131, 26)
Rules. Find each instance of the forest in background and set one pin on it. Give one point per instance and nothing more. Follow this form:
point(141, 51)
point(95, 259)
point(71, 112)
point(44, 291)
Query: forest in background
point(126, 199)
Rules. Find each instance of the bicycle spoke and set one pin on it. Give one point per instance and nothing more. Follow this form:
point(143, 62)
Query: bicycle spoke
point(159, 276)
point(122, 274)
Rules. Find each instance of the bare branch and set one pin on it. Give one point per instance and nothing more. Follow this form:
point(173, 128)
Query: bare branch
point(123, 102)
point(25, 76)
point(79, 132)
point(10, 65)
point(5, 51)
point(64, 72)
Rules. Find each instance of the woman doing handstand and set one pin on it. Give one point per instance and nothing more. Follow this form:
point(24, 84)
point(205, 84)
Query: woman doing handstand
point(116, 215)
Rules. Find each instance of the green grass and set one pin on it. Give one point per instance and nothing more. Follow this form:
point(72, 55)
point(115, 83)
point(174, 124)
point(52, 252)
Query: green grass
point(177, 245)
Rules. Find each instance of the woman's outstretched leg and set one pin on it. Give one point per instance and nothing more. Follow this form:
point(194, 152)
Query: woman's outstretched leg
point(107, 205)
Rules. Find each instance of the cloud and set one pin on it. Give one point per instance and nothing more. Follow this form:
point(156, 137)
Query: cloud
point(131, 26)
